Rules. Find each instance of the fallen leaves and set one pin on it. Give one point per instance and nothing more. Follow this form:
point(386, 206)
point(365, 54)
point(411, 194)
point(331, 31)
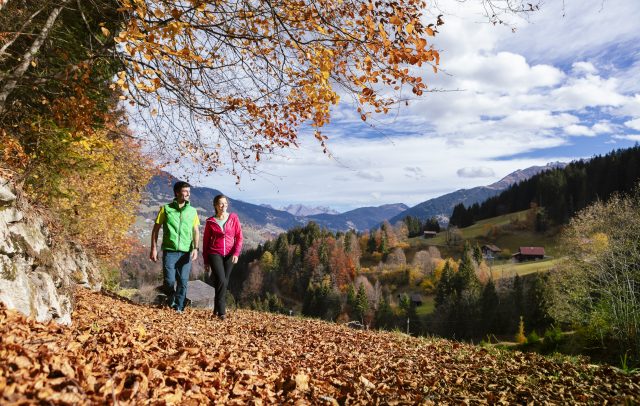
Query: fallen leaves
point(119, 352)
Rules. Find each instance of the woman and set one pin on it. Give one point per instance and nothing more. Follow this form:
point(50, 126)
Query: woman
point(221, 247)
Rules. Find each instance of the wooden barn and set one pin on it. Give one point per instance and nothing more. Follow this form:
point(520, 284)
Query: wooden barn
point(529, 254)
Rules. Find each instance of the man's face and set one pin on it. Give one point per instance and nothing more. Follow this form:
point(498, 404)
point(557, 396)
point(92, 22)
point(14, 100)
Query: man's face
point(184, 194)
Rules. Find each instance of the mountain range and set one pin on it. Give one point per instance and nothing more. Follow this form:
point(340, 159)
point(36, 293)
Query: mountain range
point(261, 222)
point(441, 207)
point(302, 210)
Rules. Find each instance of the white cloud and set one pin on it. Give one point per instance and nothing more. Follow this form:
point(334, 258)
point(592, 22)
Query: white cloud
point(475, 172)
point(414, 172)
point(633, 124)
point(576, 129)
point(630, 107)
point(628, 137)
point(584, 67)
point(505, 72)
point(588, 91)
point(374, 176)
point(573, 30)
point(602, 127)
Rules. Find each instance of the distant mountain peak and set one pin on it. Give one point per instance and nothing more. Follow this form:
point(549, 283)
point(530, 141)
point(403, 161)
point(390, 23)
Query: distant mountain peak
point(303, 211)
point(520, 175)
point(442, 206)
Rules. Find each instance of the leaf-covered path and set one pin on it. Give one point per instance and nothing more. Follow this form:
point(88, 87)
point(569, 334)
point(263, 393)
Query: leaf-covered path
point(117, 352)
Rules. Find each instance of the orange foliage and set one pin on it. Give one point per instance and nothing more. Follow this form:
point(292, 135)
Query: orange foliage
point(254, 72)
point(13, 155)
point(86, 168)
point(120, 353)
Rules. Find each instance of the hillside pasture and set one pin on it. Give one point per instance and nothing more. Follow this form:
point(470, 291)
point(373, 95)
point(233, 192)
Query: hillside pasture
point(504, 231)
point(511, 269)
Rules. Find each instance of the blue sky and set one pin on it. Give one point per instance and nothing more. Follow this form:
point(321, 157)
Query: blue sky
point(560, 88)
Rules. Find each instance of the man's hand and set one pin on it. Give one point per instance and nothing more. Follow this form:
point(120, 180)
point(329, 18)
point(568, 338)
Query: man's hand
point(234, 259)
point(153, 255)
point(194, 254)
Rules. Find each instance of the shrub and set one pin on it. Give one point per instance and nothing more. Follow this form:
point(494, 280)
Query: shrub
point(552, 339)
point(533, 338)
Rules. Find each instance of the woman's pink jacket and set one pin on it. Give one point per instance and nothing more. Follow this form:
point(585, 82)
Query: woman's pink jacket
point(222, 242)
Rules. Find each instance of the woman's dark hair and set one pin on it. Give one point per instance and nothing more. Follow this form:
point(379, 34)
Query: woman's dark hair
point(178, 186)
point(216, 200)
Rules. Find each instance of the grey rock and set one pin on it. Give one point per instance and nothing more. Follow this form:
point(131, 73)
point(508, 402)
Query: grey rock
point(37, 277)
point(200, 294)
point(6, 195)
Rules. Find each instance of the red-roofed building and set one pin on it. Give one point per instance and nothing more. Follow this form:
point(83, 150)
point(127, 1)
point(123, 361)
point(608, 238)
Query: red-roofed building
point(529, 254)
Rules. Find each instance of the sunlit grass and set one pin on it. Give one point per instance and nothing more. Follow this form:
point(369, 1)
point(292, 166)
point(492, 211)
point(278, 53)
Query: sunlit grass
point(511, 269)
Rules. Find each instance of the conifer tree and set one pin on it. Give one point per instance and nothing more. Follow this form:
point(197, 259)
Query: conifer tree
point(466, 278)
point(445, 286)
point(489, 304)
point(384, 314)
point(362, 302)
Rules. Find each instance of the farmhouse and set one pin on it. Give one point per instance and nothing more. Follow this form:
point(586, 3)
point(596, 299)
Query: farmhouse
point(529, 254)
point(490, 251)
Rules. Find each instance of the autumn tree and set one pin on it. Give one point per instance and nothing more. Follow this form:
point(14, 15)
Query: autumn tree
point(597, 286)
point(237, 80)
point(223, 81)
point(65, 138)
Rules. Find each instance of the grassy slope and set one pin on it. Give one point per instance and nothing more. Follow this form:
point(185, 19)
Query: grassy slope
point(119, 352)
point(510, 240)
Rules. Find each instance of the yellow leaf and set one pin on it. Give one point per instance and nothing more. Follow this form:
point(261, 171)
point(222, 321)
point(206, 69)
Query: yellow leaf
point(302, 382)
point(141, 330)
point(409, 28)
point(105, 31)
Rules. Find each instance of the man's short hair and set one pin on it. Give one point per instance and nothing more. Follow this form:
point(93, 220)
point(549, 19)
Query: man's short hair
point(179, 185)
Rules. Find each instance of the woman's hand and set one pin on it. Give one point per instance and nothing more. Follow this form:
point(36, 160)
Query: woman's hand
point(234, 259)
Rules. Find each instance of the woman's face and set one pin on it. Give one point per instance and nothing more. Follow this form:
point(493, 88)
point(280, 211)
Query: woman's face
point(221, 206)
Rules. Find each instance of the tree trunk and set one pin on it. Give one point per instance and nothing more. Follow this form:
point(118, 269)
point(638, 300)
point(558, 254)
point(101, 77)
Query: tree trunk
point(12, 81)
point(4, 47)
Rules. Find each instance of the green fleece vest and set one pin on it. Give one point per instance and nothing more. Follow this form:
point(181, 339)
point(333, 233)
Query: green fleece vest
point(177, 230)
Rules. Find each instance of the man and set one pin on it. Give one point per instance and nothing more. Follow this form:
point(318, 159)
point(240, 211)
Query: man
point(180, 236)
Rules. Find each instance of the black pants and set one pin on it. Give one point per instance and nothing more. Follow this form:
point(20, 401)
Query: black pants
point(220, 271)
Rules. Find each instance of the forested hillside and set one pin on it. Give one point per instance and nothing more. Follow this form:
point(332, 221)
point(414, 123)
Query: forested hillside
point(449, 286)
point(560, 192)
point(374, 277)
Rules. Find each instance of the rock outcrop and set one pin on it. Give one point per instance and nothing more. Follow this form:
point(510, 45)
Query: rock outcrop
point(37, 276)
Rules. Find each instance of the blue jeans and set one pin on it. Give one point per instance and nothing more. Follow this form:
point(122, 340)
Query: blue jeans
point(176, 266)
